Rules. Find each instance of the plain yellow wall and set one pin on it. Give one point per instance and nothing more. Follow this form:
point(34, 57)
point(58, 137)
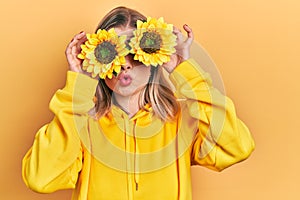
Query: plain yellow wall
point(255, 45)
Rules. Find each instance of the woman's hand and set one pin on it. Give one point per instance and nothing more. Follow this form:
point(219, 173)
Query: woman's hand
point(73, 49)
point(182, 48)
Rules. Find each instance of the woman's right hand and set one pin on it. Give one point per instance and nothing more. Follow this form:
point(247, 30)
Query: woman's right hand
point(73, 49)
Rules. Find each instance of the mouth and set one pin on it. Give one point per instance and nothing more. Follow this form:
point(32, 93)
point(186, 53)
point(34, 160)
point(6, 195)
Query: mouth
point(124, 79)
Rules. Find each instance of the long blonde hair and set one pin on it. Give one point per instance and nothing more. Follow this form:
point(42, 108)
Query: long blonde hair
point(157, 92)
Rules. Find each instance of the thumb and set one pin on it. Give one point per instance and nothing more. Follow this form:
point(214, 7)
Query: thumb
point(190, 35)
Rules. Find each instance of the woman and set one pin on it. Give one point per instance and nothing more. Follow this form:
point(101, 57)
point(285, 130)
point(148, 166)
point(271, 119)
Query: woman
point(130, 136)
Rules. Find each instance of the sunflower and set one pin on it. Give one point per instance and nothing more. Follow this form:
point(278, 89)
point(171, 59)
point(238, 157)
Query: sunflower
point(103, 53)
point(153, 42)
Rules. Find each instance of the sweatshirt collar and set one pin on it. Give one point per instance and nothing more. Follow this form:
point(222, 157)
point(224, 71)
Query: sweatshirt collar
point(144, 115)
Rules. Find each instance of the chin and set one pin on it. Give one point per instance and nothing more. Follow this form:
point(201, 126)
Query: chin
point(129, 91)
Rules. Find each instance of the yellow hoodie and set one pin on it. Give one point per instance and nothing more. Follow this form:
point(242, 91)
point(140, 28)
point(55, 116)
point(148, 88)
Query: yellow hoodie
point(116, 157)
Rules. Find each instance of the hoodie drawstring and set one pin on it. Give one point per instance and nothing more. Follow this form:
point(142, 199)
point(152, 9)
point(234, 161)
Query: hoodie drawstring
point(136, 162)
point(128, 158)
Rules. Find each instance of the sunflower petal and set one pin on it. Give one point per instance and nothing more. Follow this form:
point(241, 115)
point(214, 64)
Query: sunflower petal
point(90, 62)
point(168, 41)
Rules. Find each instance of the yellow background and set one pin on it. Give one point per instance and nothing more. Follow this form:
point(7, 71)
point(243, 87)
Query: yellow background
point(255, 45)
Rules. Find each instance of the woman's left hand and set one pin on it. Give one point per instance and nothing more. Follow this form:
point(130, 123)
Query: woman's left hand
point(182, 48)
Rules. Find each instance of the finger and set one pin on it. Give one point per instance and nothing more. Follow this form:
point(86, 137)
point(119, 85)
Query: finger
point(80, 36)
point(77, 40)
point(190, 34)
point(80, 42)
point(70, 55)
point(74, 51)
point(68, 50)
point(176, 30)
point(179, 35)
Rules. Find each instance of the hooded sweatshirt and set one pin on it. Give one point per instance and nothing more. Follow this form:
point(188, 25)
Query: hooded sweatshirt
point(142, 157)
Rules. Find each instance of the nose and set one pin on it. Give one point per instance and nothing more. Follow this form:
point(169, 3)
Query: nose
point(128, 64)
point(126, 67)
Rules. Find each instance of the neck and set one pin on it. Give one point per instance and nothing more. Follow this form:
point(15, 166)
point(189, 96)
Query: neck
point(129, 104)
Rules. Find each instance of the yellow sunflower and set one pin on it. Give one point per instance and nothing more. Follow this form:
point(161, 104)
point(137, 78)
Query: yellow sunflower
point(103, 53)
point(153, 42)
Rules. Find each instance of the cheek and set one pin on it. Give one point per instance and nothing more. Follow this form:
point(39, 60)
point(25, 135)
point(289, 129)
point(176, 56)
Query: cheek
point(146, 75)
point(143, 73)
point(111, 83)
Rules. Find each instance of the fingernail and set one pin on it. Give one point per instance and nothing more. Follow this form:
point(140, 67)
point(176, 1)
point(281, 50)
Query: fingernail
point(186, 25)
point(81, 32)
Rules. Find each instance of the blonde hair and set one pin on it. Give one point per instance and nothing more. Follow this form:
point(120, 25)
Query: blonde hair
point(157, 92)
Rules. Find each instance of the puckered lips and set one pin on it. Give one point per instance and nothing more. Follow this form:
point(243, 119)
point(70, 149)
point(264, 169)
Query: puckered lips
point(124, 79)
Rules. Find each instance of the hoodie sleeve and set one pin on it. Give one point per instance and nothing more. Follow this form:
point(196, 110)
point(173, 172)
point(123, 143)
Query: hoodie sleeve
point(55, 158)
point(222, 139)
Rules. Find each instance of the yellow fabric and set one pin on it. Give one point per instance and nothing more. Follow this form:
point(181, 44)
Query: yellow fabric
point(139, 158)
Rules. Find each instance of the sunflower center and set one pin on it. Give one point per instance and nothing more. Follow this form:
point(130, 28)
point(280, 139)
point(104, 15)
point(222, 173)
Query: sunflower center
point(105, 52)
point(150, 42)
